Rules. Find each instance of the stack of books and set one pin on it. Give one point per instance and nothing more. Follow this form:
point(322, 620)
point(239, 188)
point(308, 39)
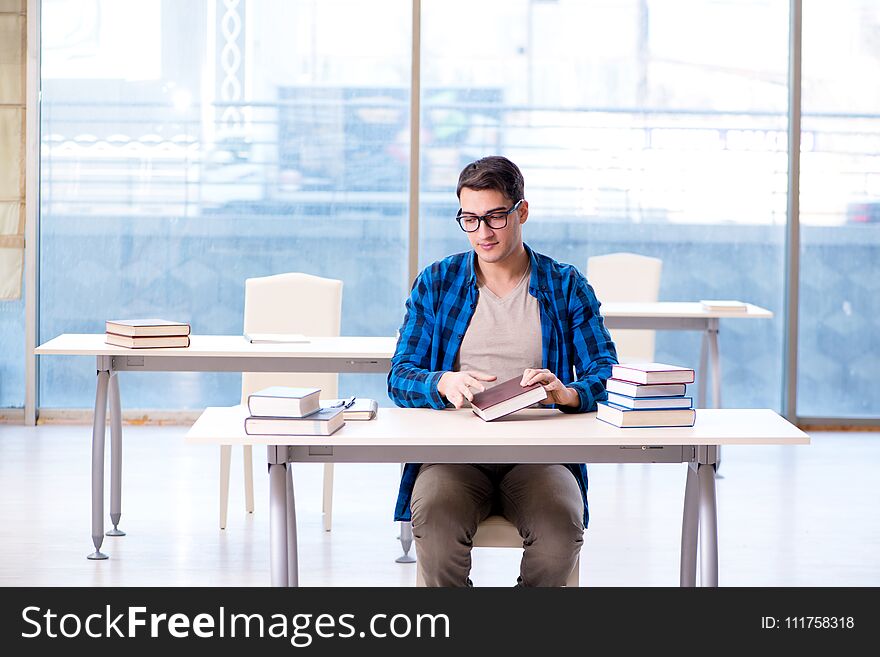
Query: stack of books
point(288, 411)
point(648, 395)
point(146, 333)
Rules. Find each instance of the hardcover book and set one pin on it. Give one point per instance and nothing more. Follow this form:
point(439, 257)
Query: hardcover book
point(361, 409)
point(506, 398)
point(146, 327)
point(323, 422)
point(628, 417)
point(650, 402)
point(146, 342)
point(652, 373)
point(641, 390)
point(284, 402)
point(724, 305)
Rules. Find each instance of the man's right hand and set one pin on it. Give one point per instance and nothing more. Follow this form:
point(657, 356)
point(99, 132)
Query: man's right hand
point(458, 386)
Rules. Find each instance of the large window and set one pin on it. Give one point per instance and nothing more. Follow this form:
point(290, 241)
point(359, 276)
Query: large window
point(12, 178)
point(839, 321)
point(635, 132)
point(187, 146)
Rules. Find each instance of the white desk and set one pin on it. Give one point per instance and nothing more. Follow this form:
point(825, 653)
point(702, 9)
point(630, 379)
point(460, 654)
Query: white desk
point(682, 316)
point(530, 436)
point(207, 353)
point(232, 353)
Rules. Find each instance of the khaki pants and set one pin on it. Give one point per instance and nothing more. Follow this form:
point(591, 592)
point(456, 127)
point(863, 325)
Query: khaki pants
point(543, 502)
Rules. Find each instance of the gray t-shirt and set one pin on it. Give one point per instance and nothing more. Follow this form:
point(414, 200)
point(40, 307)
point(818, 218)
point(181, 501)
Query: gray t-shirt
point(504, 335)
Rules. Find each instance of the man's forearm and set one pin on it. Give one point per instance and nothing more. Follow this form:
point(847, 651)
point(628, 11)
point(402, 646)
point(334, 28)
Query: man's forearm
point(573, 399)
point(414, 387)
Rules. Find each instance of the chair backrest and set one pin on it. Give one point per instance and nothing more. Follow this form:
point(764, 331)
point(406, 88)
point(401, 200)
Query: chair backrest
point(292, 303)
point(618, 277)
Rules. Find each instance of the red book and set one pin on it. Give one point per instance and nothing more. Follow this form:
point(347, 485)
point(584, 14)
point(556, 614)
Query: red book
point(652, 373)
point(506, 398)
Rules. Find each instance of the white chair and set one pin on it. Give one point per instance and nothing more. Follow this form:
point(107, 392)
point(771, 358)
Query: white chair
point(286, 303)
point(497, 531)
point(620, 277)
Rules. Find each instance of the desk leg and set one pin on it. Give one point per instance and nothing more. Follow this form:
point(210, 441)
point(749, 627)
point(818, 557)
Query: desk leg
point(708, 526)
point(690, 525)
point(292, 550)
point(406, 541)
point(702, 371)
point(715, 358)
point(115, 456)
point(406, 536)
point(278, 533)
point(98, 431)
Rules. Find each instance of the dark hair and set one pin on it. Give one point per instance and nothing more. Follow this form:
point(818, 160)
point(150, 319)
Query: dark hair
point(493, 172)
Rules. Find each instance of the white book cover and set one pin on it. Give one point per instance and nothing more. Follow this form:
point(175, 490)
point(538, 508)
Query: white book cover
point(146, 327)
point(324, 422)
point(652, 373)
point(276, 338)
point(643, 390)
point(642, 403)
point(147, 341)
point(357, 408)
point(724, 305)
point(284, 401)
point(630, 418)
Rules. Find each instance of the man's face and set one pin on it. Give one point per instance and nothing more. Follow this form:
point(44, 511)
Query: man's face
point(494, 245)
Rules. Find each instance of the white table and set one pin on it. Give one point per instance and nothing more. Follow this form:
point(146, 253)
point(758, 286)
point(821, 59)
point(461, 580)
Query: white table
point(232, 353)
point(530, 436)
point(207, 353)
point(682, 316)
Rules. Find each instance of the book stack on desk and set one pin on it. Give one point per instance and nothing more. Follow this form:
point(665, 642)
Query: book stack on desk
point(289, 411)
point(648, 395)
point(146, 333)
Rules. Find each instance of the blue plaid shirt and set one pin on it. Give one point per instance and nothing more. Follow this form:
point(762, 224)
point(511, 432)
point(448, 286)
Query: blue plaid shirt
point(438, 311)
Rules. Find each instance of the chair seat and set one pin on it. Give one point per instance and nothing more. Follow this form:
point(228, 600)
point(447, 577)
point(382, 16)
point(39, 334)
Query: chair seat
point(497, 531)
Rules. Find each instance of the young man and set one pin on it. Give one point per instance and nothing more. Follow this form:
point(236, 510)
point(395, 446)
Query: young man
point(481, 317)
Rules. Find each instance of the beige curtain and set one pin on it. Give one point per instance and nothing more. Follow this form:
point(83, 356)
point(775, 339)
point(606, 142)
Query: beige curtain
point(13, 60)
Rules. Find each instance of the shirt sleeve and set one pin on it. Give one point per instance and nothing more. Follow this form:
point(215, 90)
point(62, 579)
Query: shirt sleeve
point(411, 383)
point(594, 351)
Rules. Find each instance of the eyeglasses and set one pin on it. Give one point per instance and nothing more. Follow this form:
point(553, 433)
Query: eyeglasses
point(494, 220)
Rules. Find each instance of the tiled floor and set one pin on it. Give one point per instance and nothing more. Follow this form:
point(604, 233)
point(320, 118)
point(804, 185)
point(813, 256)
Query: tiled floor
point(788, 516)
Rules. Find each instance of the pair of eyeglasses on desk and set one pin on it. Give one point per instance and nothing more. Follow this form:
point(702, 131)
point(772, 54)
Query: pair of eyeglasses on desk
point(344, 403)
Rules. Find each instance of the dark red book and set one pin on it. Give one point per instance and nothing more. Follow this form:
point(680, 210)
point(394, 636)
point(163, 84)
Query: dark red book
point(506, 398)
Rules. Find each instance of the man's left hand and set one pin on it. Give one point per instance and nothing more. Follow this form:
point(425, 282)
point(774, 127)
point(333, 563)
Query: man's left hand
point(557, 393)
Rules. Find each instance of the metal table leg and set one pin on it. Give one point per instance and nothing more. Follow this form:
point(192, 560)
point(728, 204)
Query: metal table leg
point(98, 431)
point(405, 537)
point(115, 456)
point(406, 540)
point(702, 371)
point(715, 358)
point(708, 526)
point(292, 549)
point(278, 531)
point(690, 528)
